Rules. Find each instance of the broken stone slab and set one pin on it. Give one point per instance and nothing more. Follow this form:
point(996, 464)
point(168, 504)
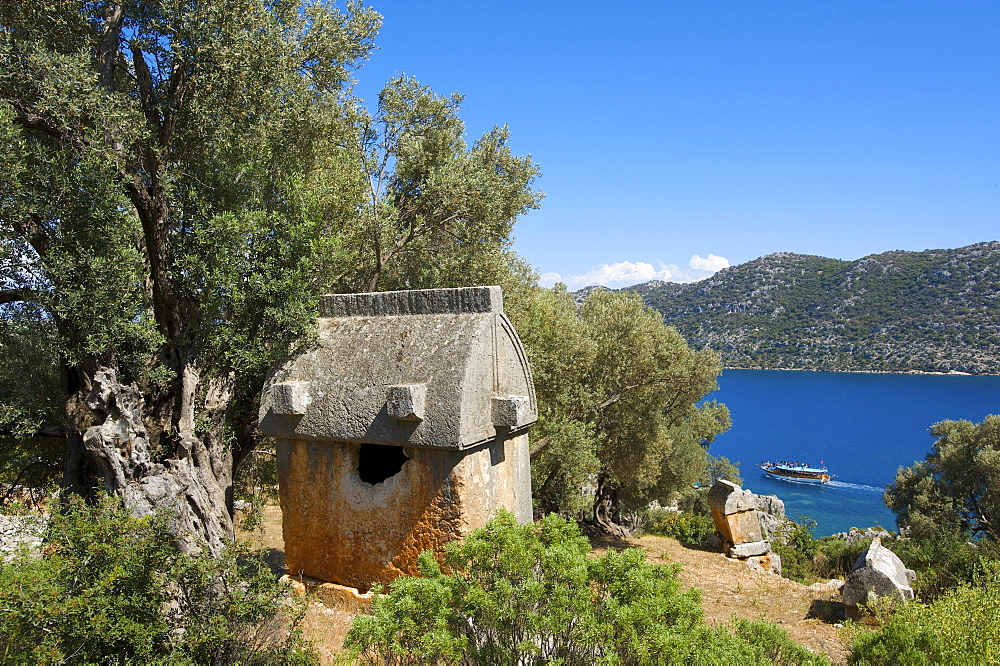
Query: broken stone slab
point(831, 586)
point(766, 563)
point(332, 595)
point(749, 549)
point(713, 540)
point(878, 572)
point(734, 512)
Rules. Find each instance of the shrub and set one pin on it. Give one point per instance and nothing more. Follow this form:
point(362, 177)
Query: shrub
point(110, 588)
point(944, 561)
point(835, 557)
point(797, 547)
point(685, 527)
point(960, 627)
point(525, 594)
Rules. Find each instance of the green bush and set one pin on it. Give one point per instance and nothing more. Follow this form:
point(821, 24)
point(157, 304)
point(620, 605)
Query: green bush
point(530, 594)
point(686, 527)
point(944, 561)
point(797, 547)
point(110, 588)
point(960, 627)
point(835, 558)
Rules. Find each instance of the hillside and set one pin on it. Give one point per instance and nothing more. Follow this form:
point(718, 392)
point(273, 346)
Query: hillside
point(930, 311)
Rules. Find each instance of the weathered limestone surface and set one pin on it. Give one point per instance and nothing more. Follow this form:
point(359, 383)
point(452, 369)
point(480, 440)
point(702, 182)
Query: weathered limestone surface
point(413, 431)
point(734, 512)
point(744, 523)
point(17, 532)
point(464, 357)
point(771, 513)
point(878, 572)
point(772, 505)
point(748, 549)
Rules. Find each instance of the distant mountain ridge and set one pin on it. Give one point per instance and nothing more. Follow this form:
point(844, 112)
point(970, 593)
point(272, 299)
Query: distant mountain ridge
point(930, 311)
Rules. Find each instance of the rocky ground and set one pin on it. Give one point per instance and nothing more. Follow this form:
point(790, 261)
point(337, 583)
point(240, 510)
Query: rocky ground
point(729, 589)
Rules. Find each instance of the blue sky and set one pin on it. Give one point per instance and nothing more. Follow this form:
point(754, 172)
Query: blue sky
point(677, 137)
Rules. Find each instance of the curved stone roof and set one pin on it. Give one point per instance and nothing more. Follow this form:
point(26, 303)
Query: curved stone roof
point(430, 368)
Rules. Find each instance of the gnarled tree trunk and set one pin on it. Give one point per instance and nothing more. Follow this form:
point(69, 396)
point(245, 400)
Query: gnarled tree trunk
point(115, 443)
point(606, 506)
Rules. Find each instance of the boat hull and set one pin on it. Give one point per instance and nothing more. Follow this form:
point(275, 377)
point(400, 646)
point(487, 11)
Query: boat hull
point(818, 479)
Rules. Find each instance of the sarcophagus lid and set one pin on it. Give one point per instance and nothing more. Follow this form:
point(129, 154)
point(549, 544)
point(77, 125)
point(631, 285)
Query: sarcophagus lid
point(428, 368)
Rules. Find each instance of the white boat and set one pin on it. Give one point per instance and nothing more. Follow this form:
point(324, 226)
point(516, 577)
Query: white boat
point(796, 471)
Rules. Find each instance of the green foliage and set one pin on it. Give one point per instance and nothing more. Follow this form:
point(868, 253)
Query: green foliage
point(29, 464)
point(515, 594)
point(797, 547)
point(955, 488)
point(618, 395)
point(961, 627)
point(180, 181)
point(694, 499)
point(686, 527)
point(944, 561)
point(720, 467)
point(255, 481)
point(835, 558)
point(806, 559)
point(436, 212)
point(110, 588)
point(161, 191)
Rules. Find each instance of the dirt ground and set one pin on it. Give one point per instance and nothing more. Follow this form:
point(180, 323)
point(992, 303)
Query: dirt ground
point(728, 589)
point(731, 589)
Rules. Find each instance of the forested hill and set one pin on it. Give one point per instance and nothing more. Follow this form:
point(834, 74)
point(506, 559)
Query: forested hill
point(937, 310)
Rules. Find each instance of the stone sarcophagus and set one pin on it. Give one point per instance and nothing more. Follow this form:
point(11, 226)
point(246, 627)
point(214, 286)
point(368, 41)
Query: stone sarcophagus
point(403, 428)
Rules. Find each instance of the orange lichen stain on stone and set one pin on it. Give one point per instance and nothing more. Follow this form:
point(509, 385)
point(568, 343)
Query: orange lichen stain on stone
point(341, 529)
point(737, 528)
point(439, 524)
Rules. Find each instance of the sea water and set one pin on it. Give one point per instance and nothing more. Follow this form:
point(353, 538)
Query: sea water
point(863, 427)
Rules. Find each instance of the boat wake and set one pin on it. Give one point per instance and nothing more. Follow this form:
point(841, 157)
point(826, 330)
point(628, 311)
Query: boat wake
point(855, 486)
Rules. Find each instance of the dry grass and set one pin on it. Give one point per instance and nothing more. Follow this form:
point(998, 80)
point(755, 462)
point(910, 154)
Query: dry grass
point(729, 589)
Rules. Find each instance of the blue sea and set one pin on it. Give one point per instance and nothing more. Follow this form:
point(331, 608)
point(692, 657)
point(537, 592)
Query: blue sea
point(862, 426)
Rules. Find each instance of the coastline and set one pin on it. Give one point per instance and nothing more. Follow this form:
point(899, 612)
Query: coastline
point(950, 373)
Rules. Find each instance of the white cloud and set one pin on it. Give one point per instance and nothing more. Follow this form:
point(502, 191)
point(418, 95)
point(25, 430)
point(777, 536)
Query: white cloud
point(617, 275)
point(627, 273)
point(548, 280)
point(712, 263)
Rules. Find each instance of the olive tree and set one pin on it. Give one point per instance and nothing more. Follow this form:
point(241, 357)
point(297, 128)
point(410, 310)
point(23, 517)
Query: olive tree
point(620, 400)
point(956, 488)
point(158, 230)
point(437, 212)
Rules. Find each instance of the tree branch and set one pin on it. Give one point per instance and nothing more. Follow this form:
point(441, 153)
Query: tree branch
point(176, 90)
point(35, 233)
point(35, 122)
point(543, 442)
point(621, 393)
point(18, 295)
point(144, 81)
point(107, 49)
point(539, 445)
